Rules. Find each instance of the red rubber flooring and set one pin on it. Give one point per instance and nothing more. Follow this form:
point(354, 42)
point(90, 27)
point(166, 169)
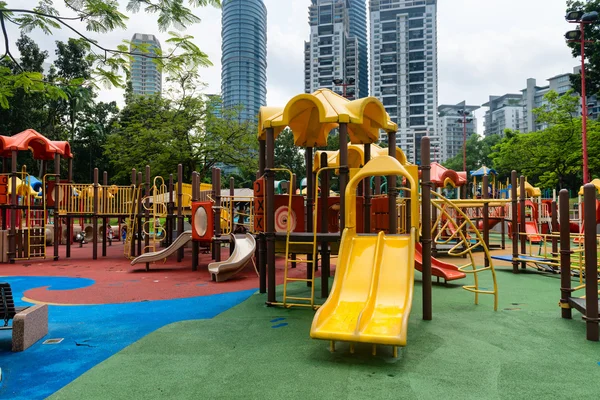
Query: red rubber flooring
point(116, 281)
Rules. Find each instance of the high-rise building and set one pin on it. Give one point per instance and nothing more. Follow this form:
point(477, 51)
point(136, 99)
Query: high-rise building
point(404, 69)
point(332, 53)
point(452, 128)
point(244, 56)
point(505, 112)
point(146, 78)
point(357, 14)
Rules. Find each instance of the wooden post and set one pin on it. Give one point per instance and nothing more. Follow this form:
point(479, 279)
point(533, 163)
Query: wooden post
point(95, 217)
point(486, 216)
point(591, 266)
point(195, 196)
point(565, 254)
point(69, 234)
point(179, 208)
point(217, 244)
point(270, 214)
point(515, 221)
point(232, 213)
point(377, 183)
point(170, 208)
point(310, 192)
point(149, 223)
point(12, 235)
point(391, 188)
point(261, 157)
point(523, 221)
point(140, 212)
point(325, 264)
point(426, 231)
point(343, 174)
point(103, 211)
point(133, 212)
point(367, 191)
point(56, 204)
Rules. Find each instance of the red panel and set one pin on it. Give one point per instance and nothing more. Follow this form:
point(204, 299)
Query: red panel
point(281, 203)
point(3, 179)
point(333, 215)
point(259, 187)
point(208, 233)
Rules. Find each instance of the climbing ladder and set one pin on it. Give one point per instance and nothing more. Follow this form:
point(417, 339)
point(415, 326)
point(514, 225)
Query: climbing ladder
point(131, 221)
point(157, 209)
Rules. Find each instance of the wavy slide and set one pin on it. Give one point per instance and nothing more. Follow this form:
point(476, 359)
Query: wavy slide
point(154, 256)
point(371, 297)
point(440, 269)
point(241, 256)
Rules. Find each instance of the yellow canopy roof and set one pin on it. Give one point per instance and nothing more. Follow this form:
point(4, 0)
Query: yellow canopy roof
point(356, 156)
point(312, 116)
point(595, 182)
point(530, 190)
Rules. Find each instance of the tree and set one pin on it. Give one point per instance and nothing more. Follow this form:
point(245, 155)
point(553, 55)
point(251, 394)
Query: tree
point(592, 51)
point(109, 65)
point(28, 109)
point(288, 155)
point(185, 129)
point(479, 151)
point(550, 158)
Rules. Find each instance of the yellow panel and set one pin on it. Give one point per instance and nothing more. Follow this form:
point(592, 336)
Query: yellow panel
point(595, 182)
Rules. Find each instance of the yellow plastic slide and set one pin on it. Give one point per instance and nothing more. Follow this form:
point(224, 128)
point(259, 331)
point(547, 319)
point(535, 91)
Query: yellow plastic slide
point(371, 297)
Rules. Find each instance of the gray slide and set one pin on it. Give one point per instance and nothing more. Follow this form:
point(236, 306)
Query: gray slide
point(154, 256)
point(241, 256)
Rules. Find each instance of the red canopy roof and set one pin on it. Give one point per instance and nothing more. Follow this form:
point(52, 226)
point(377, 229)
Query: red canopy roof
point(439, 174)
point(41, 147)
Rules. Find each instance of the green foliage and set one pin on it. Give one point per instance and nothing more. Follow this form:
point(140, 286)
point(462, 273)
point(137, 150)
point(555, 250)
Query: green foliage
point(592, 50)
point(184, 129)
point(288, 155)
point(479, 151)
point(550, 158)
point(107, 66)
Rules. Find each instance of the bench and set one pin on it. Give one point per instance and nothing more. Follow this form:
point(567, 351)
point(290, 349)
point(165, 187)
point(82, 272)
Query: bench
point(30, 324)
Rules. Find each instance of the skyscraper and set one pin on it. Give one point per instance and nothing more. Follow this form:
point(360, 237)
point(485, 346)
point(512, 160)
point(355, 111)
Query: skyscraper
point(404, 69)
point(146, 79)
point(244, 56)
point(332, 53)
point(357, 14)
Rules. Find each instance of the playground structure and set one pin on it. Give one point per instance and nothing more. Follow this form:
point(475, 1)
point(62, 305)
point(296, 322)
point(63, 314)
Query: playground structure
point(364, 270)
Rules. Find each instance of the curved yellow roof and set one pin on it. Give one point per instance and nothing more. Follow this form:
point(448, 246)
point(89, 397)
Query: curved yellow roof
point(530, 190)
point(312, 116)
point(595, 182)
point(356, 156)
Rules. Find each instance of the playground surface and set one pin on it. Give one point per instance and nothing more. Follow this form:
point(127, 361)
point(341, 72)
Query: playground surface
point(187, 337)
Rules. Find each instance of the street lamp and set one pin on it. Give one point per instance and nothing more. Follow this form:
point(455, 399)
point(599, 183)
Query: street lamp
point(344, 84)
point(464, 120)
point(581, 18)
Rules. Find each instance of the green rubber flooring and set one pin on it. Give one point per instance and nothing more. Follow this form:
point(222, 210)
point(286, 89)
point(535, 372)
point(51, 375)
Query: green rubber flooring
point(522, 351)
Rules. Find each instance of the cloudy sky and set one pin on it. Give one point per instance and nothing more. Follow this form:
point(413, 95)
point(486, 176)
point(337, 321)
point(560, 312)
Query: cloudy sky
point(484, 47)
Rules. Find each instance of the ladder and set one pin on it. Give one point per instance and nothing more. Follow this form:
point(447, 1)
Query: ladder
point(36, 225)
point(131, 221)
point(158, 209)
point(292, 301)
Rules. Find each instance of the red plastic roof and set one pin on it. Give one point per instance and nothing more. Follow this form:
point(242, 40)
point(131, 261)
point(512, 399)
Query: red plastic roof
point(439, 174)
point(41, 147)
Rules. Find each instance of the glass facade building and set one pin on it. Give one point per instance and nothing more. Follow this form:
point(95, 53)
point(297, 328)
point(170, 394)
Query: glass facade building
point(244, 56)
point(357, 13)
point(146, 79)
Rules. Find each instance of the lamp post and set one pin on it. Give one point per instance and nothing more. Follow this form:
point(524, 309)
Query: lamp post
point(464, 120)
point(578, 36)
point(344, 83)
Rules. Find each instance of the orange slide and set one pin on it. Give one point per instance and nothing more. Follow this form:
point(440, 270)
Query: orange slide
point(439, 268)
point(532, 232)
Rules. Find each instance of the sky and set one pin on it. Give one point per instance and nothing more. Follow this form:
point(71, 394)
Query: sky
point(485, 47)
